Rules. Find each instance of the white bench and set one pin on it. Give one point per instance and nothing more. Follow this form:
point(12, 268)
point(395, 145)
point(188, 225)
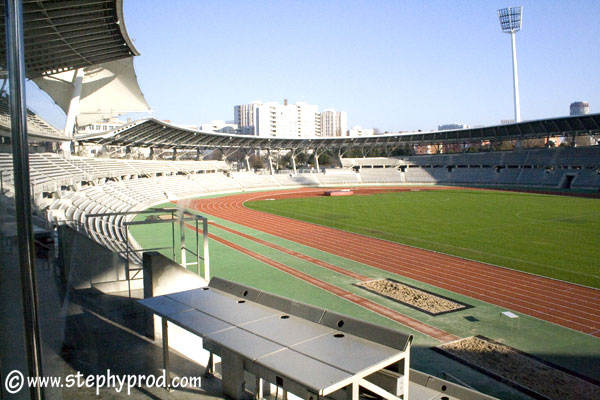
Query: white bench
point(303, 349)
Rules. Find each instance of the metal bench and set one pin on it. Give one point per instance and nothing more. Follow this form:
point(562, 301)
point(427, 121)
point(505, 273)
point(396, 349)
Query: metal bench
point(306, 350)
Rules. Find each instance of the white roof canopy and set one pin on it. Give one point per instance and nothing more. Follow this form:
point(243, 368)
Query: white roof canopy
point(109, 89)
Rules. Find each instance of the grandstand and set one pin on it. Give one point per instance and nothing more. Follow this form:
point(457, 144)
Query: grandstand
point(37, 127)
point(70, 189)
point(561, 167)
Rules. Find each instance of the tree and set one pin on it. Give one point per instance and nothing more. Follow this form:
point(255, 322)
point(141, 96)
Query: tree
point(256, 162)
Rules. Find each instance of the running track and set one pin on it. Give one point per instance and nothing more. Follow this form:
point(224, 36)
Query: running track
point(562, 303)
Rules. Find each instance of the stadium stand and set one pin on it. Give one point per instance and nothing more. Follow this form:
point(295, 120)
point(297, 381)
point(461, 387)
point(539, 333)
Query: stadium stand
point(35, 124)
point(381, 175)
point(72, 189)
point(298, 180)
point(534, 167)
point(249, 180)
point(338, 177)
point(417, 174)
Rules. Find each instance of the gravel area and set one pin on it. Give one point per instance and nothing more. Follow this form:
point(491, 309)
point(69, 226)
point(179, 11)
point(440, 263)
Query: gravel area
point(526, 371)
point(409, 295)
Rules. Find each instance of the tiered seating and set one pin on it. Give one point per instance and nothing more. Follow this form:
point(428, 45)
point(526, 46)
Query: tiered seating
point(250, 180)
point(587, 178)
point(179, 186)
point(514, 157)
point(151, 167)
point(471, 175)
point(298, 180)
point(542, 157)
point(6, 168)
point(35, 124)
point(475, 159)
point(531, 176)
point(553, 177)
point(380, 175)
point(507, 176)
point(578, 156)
point(200, 166)
point(103, 167)
point(370, 162)
point(425, 160)
point(422, 175)
point(338, 177)
point(215, 182)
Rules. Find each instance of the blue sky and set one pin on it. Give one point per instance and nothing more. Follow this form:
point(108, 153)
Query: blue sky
point(393, 65)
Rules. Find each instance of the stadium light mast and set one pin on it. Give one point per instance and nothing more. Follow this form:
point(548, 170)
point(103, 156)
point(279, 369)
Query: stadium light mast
point(510, 22)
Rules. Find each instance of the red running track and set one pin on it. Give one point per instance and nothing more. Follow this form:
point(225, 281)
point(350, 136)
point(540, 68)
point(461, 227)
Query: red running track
point(573, 306)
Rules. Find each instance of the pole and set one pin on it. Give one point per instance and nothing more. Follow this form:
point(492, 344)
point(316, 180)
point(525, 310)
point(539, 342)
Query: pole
point(173, 234)
point(15, 54)
point(197, 250)
point(515, 78)
point(182, 238)
point(205, 254)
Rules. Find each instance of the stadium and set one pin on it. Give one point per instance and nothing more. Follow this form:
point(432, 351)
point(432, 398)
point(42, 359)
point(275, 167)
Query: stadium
point(472, 272)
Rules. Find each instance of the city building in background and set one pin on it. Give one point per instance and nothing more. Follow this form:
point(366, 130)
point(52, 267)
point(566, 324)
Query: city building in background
point(243, 116)
point(360, 131)
point(449, 127)
point(219, 126)
point(579, 108)
point(333, 123)
point(273, 119)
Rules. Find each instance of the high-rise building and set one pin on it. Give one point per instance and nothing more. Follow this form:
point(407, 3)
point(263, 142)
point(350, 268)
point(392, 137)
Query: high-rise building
point(309, 120)
point(579, 108)
point(243, 116)
point(278, 120)
point(333, 123)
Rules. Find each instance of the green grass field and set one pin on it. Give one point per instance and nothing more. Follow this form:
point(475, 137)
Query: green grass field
point(554, 236)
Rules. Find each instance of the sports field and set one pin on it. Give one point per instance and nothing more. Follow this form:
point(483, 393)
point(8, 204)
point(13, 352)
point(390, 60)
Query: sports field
point(559, 322)
point(549, 235)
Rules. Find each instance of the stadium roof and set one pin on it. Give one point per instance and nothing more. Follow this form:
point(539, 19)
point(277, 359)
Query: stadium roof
point(108, 89)
point(66, 35)
point(154, 133)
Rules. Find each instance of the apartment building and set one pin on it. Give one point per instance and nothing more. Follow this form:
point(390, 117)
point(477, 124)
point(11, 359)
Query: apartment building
point(273, 119)
point(334, 123)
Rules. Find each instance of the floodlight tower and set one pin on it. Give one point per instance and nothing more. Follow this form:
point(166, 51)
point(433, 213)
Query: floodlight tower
point(510, 21)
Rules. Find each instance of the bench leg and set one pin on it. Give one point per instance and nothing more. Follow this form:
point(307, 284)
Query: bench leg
point(165, 343)
point(232, 371)
point(210, 366)
point(352, 391)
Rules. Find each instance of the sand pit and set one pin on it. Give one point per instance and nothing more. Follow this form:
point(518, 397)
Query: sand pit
point(411, 296)
point(524, 370)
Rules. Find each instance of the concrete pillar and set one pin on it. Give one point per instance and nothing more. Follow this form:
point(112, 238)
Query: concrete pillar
point(73, 110)
point(247, 159)
point(294, 163)
point(270, 162)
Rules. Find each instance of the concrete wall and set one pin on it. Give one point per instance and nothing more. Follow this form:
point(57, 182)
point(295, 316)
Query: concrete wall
point(163, 276)
point(83, 262)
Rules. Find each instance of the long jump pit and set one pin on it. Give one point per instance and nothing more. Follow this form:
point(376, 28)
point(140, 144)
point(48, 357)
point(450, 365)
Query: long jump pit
point(531, 375)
